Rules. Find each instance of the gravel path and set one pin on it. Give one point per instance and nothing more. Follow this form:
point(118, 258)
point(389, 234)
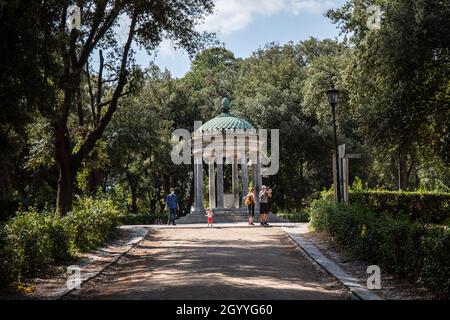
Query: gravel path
point(213, 263)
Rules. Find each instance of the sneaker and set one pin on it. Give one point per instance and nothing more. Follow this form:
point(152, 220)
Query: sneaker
point(262, 223)
point(266, 224)
point(251, 223)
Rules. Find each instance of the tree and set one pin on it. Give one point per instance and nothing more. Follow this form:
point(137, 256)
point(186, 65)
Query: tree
point(65, 54)
point(268, 93)
point(211, 78)
point(398, 81)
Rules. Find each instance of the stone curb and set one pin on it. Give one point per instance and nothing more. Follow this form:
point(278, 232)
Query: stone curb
point(357, 290)
point(143, 230)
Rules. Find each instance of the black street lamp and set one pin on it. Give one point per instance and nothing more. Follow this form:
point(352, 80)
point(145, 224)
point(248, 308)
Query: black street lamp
point(332, 95)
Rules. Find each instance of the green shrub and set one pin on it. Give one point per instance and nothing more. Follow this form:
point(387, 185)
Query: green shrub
point(319, 213)
point(33, 239)
point(302, 216)
point(93, 221)
point(423, 206)
point(407, 248)
point(144, 218)
point(436, 261)
point(427, 207)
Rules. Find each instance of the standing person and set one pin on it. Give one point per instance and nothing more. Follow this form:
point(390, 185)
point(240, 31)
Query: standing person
point(210, 215)
point(264, 206)
point(172, 205)
point(250, 203)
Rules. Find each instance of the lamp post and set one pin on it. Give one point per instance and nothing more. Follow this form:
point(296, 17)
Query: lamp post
point(332, 95)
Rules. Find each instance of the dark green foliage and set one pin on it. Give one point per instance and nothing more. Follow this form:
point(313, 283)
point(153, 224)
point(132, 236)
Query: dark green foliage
point(301, 216)
point(33, 239)
point(145, 218)
point(428, 207)
point(398, 245)
point(422, 206)
point(92, 222)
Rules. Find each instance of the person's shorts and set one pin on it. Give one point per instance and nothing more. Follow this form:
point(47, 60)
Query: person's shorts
point(251, 210)
point(210, 220)
point(263, 208)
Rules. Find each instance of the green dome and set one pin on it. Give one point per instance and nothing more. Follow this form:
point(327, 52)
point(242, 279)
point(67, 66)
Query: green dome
point(225, 121)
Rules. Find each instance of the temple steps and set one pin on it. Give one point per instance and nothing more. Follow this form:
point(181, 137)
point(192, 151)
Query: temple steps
point(224, 217)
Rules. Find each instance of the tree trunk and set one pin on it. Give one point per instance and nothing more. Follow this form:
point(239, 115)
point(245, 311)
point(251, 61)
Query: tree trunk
point(134, 208)
point(402, 171)
point(133, 183)
point(67, 162)
point(66, 172)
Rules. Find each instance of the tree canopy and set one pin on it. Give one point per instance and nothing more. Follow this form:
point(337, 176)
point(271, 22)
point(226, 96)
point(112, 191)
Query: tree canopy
point(79, 116)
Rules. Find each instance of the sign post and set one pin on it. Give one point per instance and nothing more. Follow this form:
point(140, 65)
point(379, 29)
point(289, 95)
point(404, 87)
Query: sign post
point(343, 167)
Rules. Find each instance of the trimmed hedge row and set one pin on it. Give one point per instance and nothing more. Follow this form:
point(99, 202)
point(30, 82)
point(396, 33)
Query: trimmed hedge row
point(296, 216)
point(427, 207)
point(33, 239)
point(144, 218)
point(409, 249)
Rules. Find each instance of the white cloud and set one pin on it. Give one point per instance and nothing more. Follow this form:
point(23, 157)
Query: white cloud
point(234, 15)
point(311, 6)
point(167, 48)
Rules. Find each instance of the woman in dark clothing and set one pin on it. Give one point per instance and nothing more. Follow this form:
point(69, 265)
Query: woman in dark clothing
point(250, 203)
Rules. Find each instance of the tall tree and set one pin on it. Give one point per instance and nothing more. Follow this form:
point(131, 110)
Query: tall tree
point(399, 78)
point(64, 55)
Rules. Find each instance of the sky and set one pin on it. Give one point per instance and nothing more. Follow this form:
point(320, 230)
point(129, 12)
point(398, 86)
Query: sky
point(246, 25)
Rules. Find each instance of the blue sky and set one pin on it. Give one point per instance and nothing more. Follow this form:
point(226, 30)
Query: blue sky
point(246, 25)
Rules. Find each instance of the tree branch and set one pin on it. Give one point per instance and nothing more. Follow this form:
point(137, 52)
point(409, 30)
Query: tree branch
point(99, 86)
point(94, 36)
point(121, 95)
point(91, 93)
point(95, 135)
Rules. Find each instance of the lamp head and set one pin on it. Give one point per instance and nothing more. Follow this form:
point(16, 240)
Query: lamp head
point(332, 95)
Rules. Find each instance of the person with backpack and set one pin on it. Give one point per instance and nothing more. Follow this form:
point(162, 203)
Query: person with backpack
point(250, 204)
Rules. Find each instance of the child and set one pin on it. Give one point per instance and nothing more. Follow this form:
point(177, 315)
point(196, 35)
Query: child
point(209, 214)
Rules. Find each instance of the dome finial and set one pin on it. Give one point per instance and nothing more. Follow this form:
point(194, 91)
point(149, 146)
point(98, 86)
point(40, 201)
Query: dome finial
point(225, 105)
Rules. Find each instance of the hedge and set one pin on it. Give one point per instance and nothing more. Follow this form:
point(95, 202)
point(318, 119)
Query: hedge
point(407, 248)
point(295, 216)
point(33, 239)
point(427, 207)
point(144, 218)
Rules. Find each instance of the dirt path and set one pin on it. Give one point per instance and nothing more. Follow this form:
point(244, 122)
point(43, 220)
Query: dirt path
point(219, 263)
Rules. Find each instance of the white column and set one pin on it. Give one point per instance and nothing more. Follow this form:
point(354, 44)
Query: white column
point(195, 185)
point(212, 185)
point(219, 203)
point(235, 182)
point(199, 185)
point(257, 187)
point(244, 171)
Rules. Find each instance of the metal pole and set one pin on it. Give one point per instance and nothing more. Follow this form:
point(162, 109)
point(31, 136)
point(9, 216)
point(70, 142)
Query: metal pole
point(338, 184)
